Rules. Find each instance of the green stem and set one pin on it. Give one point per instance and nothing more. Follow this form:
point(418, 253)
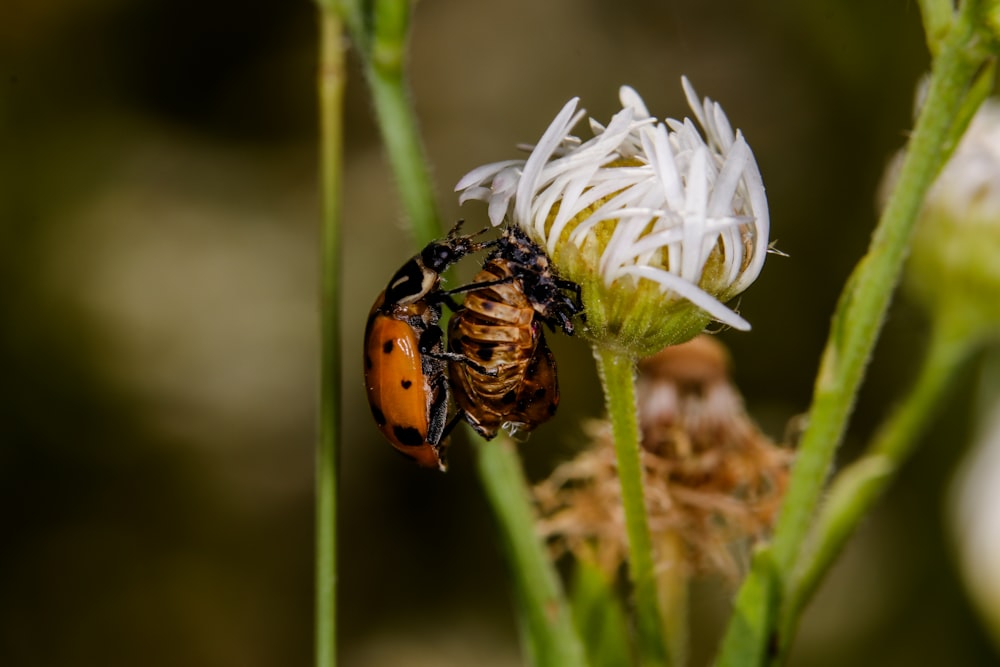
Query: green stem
point(672, 587)
point(856, 489)
point(331, 90)
point(383, 53)
point(550, 635)
point(401, 136)
point(551, 638)
point(936, 15)
point(618, 377)
point(854, 330)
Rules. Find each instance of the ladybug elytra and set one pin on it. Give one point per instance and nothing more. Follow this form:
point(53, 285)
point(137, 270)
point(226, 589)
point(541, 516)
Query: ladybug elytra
point(404, 358)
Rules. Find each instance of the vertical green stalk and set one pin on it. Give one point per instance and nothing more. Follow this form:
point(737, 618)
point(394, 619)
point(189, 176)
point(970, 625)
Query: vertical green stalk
point(854, 330)
point(331, 90)
point(398, 122)
point(618, 377)
point(546, 619)
point(672, 587)
point(551, 639)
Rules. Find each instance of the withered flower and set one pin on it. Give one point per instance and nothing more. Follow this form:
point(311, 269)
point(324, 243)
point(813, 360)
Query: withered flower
point(712, 479)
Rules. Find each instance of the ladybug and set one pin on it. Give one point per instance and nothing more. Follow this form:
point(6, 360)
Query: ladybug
point(404, 357)
point(499, 330)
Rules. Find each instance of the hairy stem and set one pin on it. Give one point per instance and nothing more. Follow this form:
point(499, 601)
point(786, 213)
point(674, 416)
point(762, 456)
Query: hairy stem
point(618, 377)
point(855, 329)
point(545, 614)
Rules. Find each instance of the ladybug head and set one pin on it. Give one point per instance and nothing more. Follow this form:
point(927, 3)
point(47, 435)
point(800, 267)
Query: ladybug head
point(439, 255)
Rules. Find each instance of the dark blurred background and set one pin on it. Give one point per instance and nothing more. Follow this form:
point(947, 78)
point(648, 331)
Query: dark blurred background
point(158, 319)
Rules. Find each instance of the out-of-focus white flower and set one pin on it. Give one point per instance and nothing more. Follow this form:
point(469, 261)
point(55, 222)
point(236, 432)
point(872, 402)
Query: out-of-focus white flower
point(976, 510)
point(954, 269)
point(659, 224)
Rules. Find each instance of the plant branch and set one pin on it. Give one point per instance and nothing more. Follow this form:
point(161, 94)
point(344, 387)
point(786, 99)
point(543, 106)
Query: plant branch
point(856, 324)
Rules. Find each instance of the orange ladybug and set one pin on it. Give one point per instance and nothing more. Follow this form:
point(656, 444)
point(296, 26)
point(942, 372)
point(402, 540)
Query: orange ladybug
point(503, 372)
point(405, 361)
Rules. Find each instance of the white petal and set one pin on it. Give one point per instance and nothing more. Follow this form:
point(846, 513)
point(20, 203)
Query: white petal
point(662, 161)
point(483, 173)
point(629, 98)
point(690, 292)
point(533, 167)
point(475, 192)
point(762, 222)
point(692, 100)
point(695, 205)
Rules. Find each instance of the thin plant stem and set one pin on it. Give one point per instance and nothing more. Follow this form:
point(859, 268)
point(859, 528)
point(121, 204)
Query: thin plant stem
point(856, 489)
point(331, 91)
point(672, 587)
point(546, 619)
point(855, 328)
point(384, 68)
point(618, 378)
point(550, 636)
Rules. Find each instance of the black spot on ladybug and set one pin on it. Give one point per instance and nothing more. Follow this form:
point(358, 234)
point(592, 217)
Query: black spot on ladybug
point(485, 354)
point(406, 384)
point(509, 397)
point(387, 346)
point(378, 415)
point(368, 362)
point(487, 305)
point(552, 408)
point(408, 436)
point(539, 393)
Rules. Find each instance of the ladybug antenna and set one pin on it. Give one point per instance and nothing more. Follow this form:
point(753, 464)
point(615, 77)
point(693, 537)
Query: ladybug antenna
point(453, 232)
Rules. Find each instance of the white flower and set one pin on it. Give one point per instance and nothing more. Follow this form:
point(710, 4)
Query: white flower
point(953, 269)
point(975, 497)
point(642, 203)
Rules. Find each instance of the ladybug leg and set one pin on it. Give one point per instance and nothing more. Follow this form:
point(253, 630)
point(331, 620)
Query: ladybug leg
point(573, 287)
point(471, 287)
point(452, 423)
point(430, 345)
point(462, 359)
point(445, 298)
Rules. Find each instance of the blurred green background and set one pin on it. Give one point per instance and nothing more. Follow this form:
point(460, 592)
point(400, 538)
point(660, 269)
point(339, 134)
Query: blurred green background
point(159, 345)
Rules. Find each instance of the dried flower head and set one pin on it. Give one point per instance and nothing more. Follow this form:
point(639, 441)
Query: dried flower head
point(711, 477)
point(659, 224)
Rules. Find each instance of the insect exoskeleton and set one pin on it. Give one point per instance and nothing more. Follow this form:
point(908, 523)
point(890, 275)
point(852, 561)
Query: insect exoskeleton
point(499, 330)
